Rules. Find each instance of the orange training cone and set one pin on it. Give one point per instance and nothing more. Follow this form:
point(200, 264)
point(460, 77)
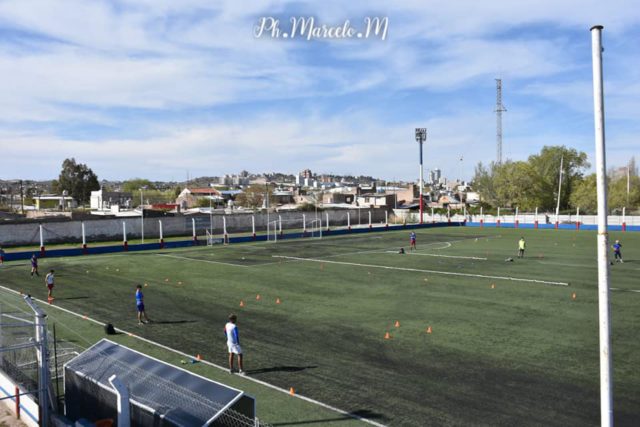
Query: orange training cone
point(573, 295)
point(429, 330)
point(241, 303)
point(277, 300)
point(258, 297)
point(493, 286)
point(198, 357)
point(291, 391)
point(397, 325)
point(387, 336)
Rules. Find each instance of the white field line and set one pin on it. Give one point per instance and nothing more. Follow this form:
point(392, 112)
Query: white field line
point(625, 290)
point(18, 319)
point(438, 255)
point(447, 273)
point(255, 380)
point(202, 260)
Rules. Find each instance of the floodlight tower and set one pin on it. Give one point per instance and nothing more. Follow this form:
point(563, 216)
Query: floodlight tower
point(421, 137)
point(499, 109)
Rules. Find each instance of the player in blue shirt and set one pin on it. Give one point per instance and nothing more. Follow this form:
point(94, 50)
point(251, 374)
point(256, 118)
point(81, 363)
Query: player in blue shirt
point(412, 241)
point(140, 306)
point(617, 254)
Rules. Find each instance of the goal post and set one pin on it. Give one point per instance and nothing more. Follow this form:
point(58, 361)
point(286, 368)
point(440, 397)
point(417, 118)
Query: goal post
point(214, 240)
point(314, 229)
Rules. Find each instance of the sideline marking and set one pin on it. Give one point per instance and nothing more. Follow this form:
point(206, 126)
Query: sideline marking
point(203, 260)
point(438, 255)
point(448, 273)
point(206, 362)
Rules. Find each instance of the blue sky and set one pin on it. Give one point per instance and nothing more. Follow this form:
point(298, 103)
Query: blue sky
point(162, 88)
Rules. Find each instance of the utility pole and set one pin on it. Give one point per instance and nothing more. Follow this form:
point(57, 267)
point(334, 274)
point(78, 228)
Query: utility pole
point(499, 109)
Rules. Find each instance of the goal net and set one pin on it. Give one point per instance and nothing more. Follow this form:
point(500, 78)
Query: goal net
point(216, 240)
point(315, 228)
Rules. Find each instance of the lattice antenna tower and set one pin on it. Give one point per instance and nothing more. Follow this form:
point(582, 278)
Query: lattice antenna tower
point(499, 109)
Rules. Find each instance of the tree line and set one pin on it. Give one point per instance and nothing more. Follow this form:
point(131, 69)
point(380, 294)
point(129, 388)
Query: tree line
point(534, 183)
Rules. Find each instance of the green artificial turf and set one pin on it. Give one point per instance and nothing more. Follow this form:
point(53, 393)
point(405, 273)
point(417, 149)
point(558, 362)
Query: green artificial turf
point(500, 352)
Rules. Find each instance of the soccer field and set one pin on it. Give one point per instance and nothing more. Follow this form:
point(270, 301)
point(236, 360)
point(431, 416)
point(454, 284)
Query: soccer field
point(473, 339)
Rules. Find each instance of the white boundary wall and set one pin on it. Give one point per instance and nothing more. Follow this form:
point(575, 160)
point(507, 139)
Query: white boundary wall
point(28, 407)
point(27, 233)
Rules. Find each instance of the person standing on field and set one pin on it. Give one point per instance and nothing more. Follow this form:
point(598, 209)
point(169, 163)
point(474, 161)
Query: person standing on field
point(140, 306)
point(50, 281)
point(34, 265)
point(412, 241)
point(521, 246)
point(233, 343)
point(617, 251)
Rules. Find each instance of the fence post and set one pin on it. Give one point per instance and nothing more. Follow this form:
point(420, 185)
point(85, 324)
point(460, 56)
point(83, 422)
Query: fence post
point(125, 244)
point(253, 226)
point(17, 402)
point(370, 225)
point(84, 239)
point(498, 218)
point(517, 221)
point(224, 227)
point(349, 221)
point(193, 227)
point(280, 224)
point(327, 215)
point(578, 218)
point(535, 219)
point(124, 417)
point(386, 219)
point(42, 250)
point(624, 219)
point(304, 224)
point(433, 218)
point(481, 218)
point(161, 236)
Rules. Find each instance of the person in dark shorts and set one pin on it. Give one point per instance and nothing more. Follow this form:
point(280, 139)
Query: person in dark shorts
point(34, 265)
point(140, 306)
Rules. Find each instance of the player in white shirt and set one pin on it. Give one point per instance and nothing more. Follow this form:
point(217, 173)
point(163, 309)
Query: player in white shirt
point(233, 343)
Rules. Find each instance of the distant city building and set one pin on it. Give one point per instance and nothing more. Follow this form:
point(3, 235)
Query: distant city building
point(104, 200)
point(306, 173)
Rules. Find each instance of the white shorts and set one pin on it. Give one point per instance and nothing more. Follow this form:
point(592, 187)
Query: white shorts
point(234, 348)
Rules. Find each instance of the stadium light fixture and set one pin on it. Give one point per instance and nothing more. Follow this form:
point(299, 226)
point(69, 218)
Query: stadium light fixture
point(421, 137)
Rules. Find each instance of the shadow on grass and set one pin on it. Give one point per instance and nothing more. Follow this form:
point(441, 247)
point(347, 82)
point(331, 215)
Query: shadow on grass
point(279, 369)
point(71, 298)
point(360, 413)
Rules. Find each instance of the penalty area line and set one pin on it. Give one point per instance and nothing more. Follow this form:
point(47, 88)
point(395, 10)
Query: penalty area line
point(202, 260)
point(446, 273)
point(173, 350)
point(442, 256)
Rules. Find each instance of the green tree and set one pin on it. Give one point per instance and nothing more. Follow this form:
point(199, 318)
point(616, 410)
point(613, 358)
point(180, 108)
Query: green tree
point(584, 195)
point(546, 166)
point(136, 184)
point(253, 196)
point(483, 183)
point(77, 179)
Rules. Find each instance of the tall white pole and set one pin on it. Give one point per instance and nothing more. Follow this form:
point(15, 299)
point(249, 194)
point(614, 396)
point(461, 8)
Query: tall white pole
point(141, 217)
point(327, 216)
point(304, 223)
point(253, 225)
point(84, 238)
point(193, 228)
point(280, 224)
point(124, 232)
point(224, 225)
point(370, 219)
point(161, 236)
point(349, 220)
point(41, 238)
point(559, 188)
point(386, 218)
point(606, 392)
